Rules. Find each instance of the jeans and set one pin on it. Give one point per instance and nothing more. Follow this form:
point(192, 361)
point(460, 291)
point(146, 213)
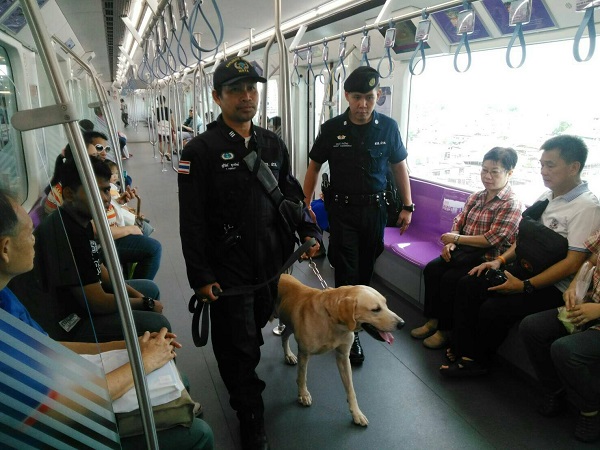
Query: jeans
point(143, 250)
point(563, 359)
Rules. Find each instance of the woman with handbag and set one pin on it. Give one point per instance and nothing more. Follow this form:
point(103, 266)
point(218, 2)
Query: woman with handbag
point(536, 275)
point(484, 229)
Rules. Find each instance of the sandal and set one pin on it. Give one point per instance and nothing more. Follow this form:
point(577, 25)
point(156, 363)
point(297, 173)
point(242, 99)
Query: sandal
point(463, 368)
point(168, 156)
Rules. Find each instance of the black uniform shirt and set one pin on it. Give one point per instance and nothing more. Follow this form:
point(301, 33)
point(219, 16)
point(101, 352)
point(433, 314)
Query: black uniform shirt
point(358, 155)
point(217, 192)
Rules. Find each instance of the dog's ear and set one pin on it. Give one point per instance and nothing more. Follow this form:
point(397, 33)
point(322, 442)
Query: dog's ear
point(346, 310)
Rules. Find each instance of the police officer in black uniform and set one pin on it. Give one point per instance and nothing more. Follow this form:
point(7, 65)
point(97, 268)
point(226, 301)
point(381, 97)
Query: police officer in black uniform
point(360, 145)
point(231, 234)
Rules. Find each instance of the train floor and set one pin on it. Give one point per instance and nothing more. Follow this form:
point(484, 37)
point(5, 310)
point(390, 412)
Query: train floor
point(399, 388)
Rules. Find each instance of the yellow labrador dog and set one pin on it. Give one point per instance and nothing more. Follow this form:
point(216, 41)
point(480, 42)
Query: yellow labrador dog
point(324, 320)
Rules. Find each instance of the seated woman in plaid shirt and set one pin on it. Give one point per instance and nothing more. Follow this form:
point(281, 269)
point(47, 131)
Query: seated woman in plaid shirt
point(484, 229)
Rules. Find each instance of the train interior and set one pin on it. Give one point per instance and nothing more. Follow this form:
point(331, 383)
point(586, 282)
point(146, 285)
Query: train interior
point(459, 77)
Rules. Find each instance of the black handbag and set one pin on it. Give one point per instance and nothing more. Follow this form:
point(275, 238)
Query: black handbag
point(538, 247)
point(467, 255)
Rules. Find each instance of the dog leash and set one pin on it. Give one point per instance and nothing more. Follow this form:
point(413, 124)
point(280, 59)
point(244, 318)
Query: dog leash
point(201, 308)
point(313, 266)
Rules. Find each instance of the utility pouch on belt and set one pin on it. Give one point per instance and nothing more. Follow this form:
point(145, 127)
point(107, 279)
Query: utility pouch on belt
point(290, 209)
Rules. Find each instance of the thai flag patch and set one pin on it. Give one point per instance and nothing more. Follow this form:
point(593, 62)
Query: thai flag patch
point(184, 167)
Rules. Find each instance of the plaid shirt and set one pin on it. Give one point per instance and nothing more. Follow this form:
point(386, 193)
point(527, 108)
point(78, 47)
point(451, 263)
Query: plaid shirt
point(498, 220)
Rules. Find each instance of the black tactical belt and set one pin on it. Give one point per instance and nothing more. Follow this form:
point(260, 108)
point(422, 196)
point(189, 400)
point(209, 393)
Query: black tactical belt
point(358, 199)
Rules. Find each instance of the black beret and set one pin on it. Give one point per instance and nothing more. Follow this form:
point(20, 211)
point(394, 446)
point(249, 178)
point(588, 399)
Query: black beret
point(235, 69)
point(363, 79)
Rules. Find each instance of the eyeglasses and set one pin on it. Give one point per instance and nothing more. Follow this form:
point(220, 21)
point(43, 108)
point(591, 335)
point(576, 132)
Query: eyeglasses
point(101, 147)
point(494, 173)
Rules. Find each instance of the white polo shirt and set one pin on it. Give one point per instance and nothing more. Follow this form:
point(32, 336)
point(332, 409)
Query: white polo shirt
point(574, 215)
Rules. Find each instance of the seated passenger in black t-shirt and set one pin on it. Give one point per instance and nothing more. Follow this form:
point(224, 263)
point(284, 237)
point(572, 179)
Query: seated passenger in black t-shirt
point(71, 269)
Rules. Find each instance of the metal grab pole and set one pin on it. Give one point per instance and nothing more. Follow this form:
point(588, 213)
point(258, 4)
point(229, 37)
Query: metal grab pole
point(103, 99)
point(59, 91)
point(284, 89)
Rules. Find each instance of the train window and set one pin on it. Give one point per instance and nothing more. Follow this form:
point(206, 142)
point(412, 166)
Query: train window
point(456, 117)
point(12, 165)
point(272, 98)
point(16, 19)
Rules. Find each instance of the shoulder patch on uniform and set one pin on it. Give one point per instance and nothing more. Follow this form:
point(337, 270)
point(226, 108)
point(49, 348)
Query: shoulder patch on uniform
point(184, 167)
point(226, 156)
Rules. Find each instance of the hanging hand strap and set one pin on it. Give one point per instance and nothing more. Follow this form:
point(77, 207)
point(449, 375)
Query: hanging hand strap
point(420, 48)
point(464, 40)
point(517, 33)
point(588, 21)
point(365, 48)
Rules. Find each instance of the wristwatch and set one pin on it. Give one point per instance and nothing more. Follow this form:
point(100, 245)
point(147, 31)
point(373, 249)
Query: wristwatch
point(410, 208)
point(528, 288)
point(148, 303)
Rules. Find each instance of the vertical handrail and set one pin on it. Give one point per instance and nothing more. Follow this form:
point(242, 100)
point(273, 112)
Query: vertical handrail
point(59, 91)
point(284, 89)
point(199, 78)
point(104, 105)
point(111, 126)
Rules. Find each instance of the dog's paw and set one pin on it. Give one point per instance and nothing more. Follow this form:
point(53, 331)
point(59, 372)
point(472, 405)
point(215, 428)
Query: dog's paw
point(304, 398)
point(291, 359)
point(360, 419)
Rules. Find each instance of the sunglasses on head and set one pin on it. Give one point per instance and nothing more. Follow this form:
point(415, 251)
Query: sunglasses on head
point(101, 147)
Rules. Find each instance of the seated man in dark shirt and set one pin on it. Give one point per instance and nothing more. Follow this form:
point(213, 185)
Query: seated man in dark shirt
point(58, 385)
point(71, 269)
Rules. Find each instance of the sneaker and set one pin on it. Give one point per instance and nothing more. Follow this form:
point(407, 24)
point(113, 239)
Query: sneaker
point(357, 355)
point(587, 428)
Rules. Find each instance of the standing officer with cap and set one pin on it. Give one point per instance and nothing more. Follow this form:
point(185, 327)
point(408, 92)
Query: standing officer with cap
point(359, 144)
point(232, 236)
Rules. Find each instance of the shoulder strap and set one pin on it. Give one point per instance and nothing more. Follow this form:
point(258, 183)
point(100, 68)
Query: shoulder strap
point(536, 210)
point(264, 175)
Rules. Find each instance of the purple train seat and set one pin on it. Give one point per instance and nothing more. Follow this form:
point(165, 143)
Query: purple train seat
point(436, 208)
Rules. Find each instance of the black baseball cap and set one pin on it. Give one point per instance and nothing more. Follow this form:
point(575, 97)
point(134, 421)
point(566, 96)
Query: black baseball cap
point(364, 79)
point(235, 69)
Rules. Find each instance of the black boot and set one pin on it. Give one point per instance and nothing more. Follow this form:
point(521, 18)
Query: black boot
point(252, 430)
point(356, 352)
